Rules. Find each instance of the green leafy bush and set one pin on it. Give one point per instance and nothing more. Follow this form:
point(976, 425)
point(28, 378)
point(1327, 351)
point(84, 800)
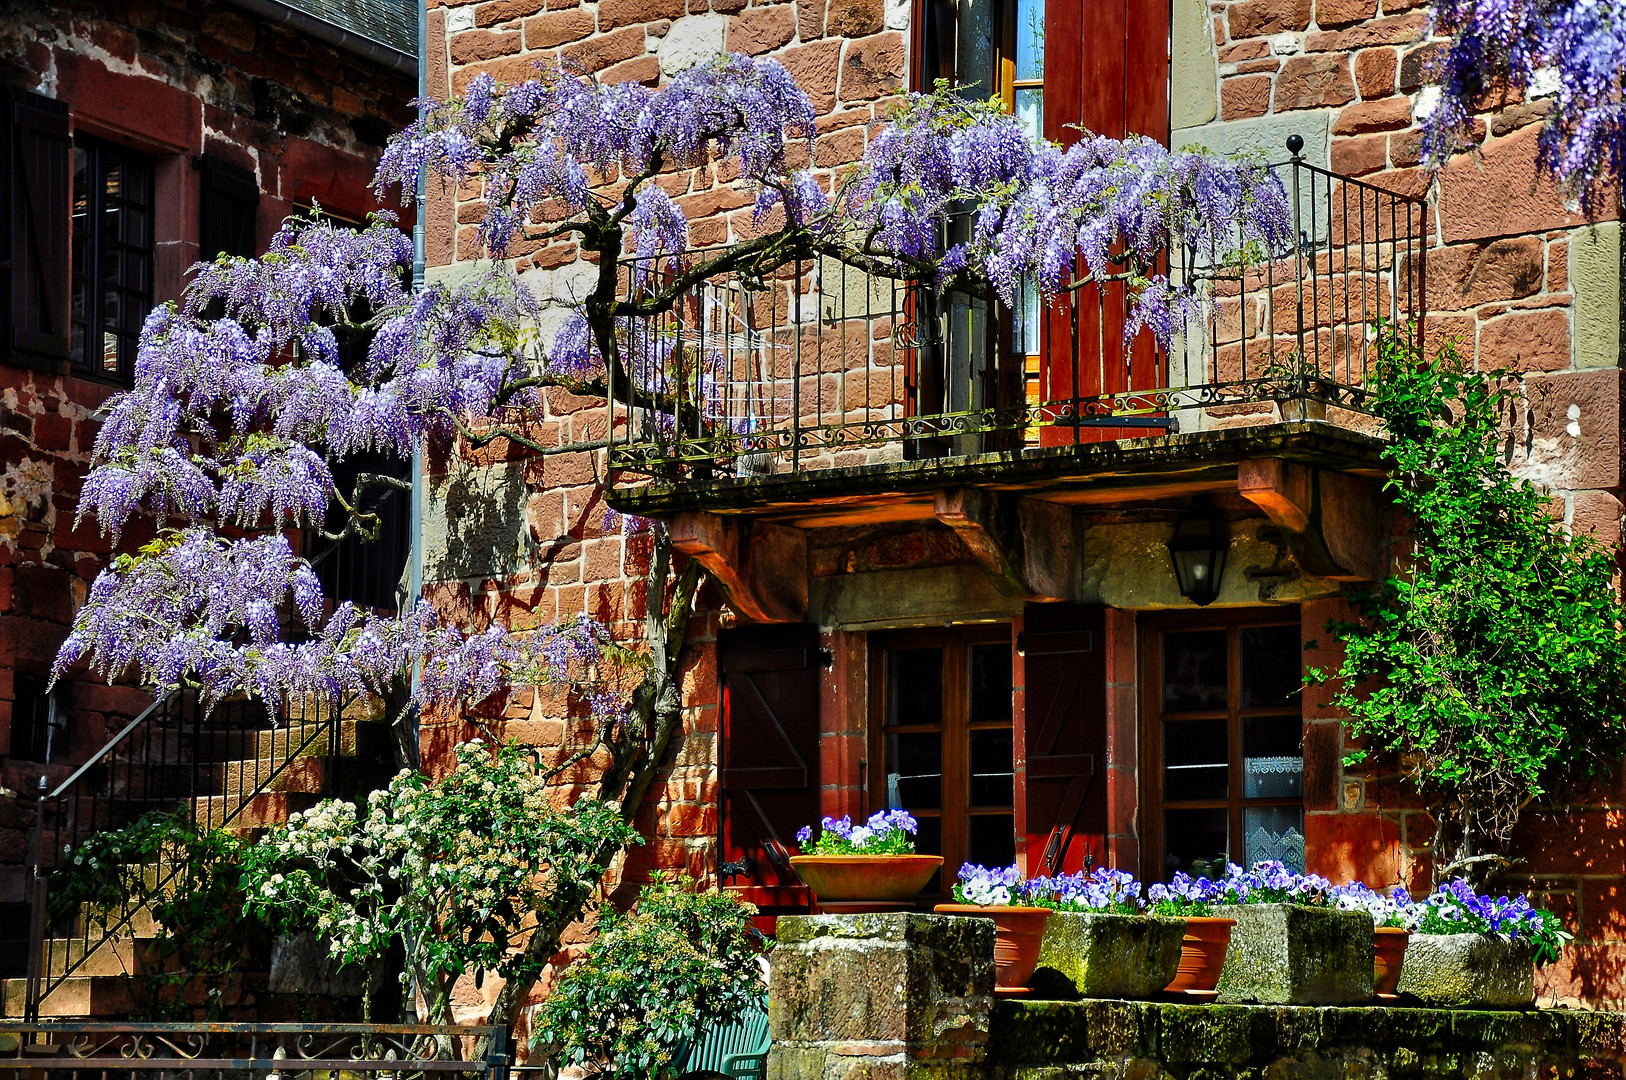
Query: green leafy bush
point(455, 870)
point(651, 982)
point(1493, 666)
point(201, 930)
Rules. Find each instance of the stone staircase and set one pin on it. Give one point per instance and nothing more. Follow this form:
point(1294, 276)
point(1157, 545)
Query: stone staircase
point(251, 780)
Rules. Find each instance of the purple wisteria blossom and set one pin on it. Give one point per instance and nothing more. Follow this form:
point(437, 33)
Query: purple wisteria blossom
point(1570, 52)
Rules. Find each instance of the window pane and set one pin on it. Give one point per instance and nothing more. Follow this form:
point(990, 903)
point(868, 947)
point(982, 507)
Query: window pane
point(914, 686)
point(1275, 833)
point(1029, 109)
point(991, 775)
point(1029, 39)
point(1194, 841)
point(1196, 760)
point(914, 771)
point(1272, 757)
point(1194, 671)
point(991, 683)
point(1272, 666)
point(993, 841)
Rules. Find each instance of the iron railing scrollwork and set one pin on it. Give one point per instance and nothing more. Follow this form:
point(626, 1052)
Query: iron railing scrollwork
point(823, 365)
point(238, 1051)
point(175, 757)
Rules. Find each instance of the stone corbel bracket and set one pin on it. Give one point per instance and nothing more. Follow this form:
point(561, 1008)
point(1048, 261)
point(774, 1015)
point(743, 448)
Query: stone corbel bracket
point(761, 567)
point(1333, 521)
point(1026, 547)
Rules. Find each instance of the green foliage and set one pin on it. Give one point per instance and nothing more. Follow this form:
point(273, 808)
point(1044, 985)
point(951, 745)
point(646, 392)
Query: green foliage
point(1493, 668)
point(451, 869)
point(651, 982)
point(201, 931)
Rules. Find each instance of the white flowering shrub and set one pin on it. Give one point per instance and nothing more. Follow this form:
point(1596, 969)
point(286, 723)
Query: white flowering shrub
point(452, 869)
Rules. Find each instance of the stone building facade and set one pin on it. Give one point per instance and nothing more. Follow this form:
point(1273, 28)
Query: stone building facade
point(139, 138)
point(992, 634)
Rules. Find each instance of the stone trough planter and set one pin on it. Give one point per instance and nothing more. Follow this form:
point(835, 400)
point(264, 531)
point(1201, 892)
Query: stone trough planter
point(1478, 971)
point(1285, 954)
point(1104, 955)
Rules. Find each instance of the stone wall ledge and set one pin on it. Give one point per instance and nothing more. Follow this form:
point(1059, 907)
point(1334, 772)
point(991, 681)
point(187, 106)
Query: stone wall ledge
point(1033, 1039)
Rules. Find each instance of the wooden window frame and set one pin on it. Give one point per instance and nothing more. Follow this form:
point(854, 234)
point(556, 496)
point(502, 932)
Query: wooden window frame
point(90, 364)
point(1151, 628)
point(956, 812)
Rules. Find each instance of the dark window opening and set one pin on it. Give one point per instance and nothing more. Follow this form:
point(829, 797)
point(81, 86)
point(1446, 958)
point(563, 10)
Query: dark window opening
point(366, 573)
point(230, 206)
point(943, 737)
point(112, 255)
point(1224, 766)
point(39, 730)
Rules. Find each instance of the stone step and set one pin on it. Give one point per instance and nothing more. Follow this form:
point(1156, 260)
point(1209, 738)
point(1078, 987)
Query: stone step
point(78, 996)
point(119, 955)
point(263, 811)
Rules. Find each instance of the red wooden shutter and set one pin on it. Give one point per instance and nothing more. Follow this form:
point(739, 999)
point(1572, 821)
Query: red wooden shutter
point(1106, 71)
point(1064, 665)
point(770, 756)
point(38, 172)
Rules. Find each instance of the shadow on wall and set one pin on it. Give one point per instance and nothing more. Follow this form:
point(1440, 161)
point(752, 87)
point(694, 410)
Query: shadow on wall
point(474, 524)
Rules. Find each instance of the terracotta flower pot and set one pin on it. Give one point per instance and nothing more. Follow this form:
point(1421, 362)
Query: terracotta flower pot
point(882, 878)
point(1019, 934)
point(1388, 954)
point(1202, 954)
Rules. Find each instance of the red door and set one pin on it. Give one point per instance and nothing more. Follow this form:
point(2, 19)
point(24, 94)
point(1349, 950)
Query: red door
point(770, 759)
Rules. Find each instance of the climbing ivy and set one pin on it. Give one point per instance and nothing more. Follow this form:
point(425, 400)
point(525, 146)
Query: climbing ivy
point(1492, 664)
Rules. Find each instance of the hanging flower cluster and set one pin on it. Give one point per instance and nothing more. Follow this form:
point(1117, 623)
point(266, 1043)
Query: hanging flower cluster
point(183, 606)
point(1573, 51)
point(541, 146)
point(1038, 209)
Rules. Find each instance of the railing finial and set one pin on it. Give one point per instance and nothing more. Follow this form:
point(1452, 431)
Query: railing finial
point(1295, 144)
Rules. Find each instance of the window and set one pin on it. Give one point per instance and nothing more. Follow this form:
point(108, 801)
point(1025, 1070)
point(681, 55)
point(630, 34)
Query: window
point(230, 202)
point(38, 728)
point(112, 255)
point(1223, 773)
point(943, 739)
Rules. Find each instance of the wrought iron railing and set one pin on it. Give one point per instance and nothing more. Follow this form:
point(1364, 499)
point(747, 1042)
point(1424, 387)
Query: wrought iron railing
point(824, 365)
point(120, 1051)
point(176, 756)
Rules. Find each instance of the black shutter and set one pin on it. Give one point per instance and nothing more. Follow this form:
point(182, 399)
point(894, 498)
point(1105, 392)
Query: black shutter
point(230, 203)
point(1064, 667)
point(37, 174)
point(770, 756)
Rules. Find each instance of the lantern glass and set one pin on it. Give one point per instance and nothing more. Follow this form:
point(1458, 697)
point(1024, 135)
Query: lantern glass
point(1198, 550)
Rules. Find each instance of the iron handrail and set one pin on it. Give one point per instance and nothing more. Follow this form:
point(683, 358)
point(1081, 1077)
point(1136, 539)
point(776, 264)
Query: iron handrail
point(156, 783)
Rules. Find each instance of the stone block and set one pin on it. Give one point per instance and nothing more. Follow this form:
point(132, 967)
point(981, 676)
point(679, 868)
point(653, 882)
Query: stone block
point(1287, 954)
point(857, 993)
point(1594, 276)
point(1103, 955)
point(1468, 970)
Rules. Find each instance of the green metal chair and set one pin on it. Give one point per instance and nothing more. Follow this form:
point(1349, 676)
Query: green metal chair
point(738, 1050)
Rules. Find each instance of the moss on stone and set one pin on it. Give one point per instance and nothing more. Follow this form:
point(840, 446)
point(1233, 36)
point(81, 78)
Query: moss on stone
point(1287, 954)
point(1468, 971)
point(1104, 955)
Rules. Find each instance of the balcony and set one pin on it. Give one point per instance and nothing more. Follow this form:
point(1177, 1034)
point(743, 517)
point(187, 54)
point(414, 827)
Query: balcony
point(752, 413)
point(827, 396)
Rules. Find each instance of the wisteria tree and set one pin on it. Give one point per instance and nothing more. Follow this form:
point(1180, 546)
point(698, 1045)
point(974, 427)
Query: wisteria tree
point(1574, 50)
point(242, 405)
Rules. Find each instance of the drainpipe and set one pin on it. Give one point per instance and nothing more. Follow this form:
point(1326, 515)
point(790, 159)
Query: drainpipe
point(303, 23)
point(415, 575)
